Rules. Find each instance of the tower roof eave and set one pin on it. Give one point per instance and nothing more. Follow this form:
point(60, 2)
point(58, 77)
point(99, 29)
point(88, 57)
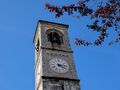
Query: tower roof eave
point(42, 21)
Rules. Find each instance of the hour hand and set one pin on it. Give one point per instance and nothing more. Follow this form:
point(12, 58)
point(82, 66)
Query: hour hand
point(61, 66)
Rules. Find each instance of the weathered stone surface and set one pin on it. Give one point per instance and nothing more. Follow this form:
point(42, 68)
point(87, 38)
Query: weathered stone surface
point(47, 51)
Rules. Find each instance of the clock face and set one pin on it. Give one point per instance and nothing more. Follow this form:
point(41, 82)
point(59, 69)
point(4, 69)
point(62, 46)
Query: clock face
point(59, 65)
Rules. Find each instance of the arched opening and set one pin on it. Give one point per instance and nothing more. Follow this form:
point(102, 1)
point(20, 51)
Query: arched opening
point(55, 37)
point(37, 46)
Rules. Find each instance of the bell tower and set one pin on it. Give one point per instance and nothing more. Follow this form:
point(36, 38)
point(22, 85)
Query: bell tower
point(54, 63)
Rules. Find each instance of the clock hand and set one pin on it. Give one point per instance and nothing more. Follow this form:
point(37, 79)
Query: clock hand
point(61, 66)
point(64, 65)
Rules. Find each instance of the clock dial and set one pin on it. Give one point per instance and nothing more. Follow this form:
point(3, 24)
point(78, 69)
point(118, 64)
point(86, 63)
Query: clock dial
point(59, 65)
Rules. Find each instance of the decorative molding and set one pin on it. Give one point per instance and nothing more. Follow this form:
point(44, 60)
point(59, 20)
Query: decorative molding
point(58, 78)
point(53, 49)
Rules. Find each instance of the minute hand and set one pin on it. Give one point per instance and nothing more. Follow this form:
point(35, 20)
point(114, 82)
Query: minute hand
point(61, 66)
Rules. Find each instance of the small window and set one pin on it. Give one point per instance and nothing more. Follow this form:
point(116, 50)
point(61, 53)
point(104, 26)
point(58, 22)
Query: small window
point(37, 46)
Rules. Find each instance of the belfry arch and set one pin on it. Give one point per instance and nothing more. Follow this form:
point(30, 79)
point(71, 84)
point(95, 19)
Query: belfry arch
point(55, 36)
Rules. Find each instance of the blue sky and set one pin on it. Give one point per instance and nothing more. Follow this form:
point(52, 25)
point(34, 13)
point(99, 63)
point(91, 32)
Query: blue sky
point(98, 67)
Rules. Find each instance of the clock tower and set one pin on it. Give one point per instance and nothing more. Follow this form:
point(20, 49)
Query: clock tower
point(54, 63)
